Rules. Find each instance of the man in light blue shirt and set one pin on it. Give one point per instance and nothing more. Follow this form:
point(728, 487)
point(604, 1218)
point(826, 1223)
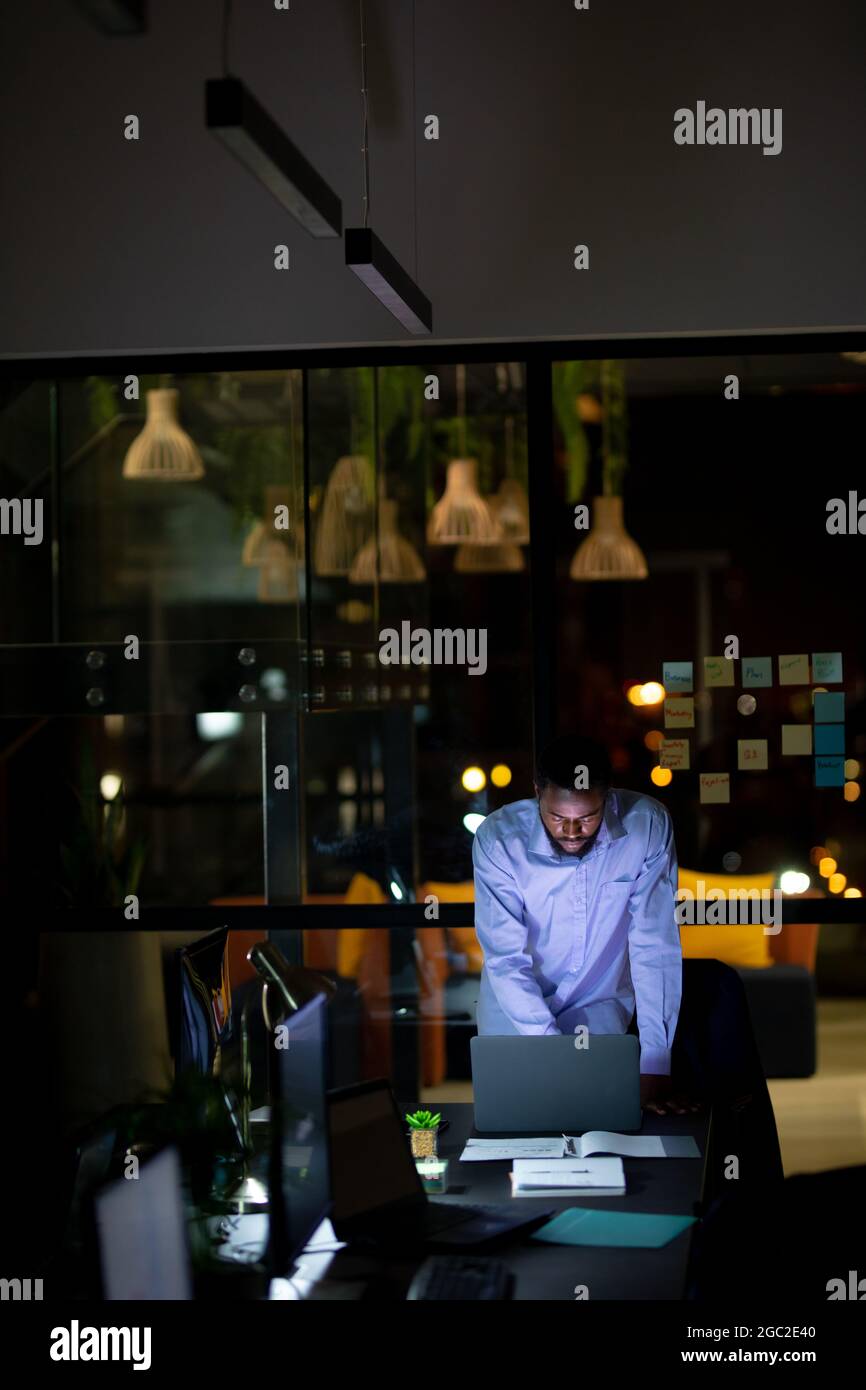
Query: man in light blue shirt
point(575, 913)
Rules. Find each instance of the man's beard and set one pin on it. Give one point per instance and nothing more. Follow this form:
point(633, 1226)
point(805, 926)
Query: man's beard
point(565, 853)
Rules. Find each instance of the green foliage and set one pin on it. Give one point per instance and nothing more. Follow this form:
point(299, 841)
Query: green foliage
point(614, 428)
point(97, 869)
point(570, 379)
point(423, 1119)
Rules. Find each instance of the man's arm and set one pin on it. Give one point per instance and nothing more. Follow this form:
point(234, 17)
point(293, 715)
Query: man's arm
point(500, 929)
point(655, 953)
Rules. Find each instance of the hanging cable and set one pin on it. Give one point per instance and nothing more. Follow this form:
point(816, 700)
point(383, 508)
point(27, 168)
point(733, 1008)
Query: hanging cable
point(227, 15)
point(365, 147)
point(414, 145)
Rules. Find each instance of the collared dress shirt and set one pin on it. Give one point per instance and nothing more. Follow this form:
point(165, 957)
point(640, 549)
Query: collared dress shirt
point(570, 940)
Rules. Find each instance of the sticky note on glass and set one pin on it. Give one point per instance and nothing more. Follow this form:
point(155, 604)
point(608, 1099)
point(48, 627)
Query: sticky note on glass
point(680, 712)
point(752, 754)
point(793, 670)
point(715, 787)
point(678, 676)
point(826, 668)
point(755, 671)
point(718, 670)
point(674, 753)
point(829, 772)
point(829, 707)
point(796, 738)
point(829, 738)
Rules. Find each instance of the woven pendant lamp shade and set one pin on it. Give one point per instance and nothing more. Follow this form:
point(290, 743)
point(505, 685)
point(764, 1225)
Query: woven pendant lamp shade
point(346, 522)
point(163, 452)
point(488, 559)
point(511, 509)
point(278, 575)
point(608, 551)
point(461, 514)
point(399, 562)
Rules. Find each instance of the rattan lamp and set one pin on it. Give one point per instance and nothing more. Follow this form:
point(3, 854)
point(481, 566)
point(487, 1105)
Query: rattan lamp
point(347, 514)
point(461, 515)
point(163, 452)
point(488, 559)
point(398, 560)
point(608, 551)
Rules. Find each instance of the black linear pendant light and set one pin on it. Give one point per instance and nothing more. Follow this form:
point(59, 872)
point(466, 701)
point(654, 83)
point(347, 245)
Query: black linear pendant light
point(115, 16)
point(368, 257)
point(244, 126)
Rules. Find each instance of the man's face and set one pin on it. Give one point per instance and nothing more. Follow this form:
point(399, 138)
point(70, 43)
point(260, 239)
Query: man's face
point(571, 819)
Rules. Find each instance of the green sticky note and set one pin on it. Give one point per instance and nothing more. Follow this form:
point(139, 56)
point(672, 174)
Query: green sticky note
point(826, 668)
point(636, 1230)
point(794, 670)
point(755, 671)
point(718, 670)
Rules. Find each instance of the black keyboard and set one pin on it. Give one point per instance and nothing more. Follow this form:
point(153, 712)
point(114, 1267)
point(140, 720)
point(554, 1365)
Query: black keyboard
point(458, 1277)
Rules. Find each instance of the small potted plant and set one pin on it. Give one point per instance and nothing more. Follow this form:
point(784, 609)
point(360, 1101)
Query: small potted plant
point(423, 1133)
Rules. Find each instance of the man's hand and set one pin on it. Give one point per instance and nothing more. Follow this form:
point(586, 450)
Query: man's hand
point(656, 1096)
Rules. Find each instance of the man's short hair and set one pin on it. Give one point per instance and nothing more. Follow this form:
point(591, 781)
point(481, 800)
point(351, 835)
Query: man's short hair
point(557, 762)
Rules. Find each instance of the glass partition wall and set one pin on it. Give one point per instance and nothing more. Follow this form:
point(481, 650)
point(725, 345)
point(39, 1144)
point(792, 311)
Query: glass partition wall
point(288, 635)
point(274, 649)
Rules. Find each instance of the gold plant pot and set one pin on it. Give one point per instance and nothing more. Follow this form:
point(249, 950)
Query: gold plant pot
point(424, 1143)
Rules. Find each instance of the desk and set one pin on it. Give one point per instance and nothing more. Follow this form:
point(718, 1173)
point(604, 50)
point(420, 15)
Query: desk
point(668, 1185)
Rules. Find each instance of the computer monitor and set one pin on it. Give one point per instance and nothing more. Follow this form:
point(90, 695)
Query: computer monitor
point(141, 1234)
point(300, 1190)
point(205, 1014)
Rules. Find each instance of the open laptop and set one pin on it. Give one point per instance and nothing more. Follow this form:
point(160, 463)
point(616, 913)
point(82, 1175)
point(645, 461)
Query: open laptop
point(379, 1198)
point(545, 1085)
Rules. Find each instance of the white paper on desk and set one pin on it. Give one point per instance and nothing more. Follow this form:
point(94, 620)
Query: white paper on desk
point(488, 1149)
point(534, 1177)
point(603, 1141)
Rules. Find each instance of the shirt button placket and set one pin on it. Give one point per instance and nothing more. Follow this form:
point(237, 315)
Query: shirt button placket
point(579, 940)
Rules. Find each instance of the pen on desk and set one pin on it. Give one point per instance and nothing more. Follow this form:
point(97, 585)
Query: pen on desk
point(569, 1145)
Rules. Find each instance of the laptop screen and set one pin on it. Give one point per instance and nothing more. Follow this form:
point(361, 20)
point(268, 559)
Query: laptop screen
point(372, 1164)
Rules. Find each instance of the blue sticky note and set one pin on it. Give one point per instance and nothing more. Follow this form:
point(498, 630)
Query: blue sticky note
point(677, 675)
point(829, 738)
point(756, 670)
point(826, 668)
point(829, 772)
point(634, 1229)
point(829, 707)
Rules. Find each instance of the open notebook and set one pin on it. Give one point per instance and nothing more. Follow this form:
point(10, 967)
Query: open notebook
point(595, 1141)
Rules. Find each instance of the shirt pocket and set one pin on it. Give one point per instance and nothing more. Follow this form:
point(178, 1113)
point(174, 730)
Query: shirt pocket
point(613, 897)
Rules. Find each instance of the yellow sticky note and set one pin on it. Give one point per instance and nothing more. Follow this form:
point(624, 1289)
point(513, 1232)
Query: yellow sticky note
point(796, 738)
point(718, 670)
point(680, 712)
point(674, 753)
point(752, 754)
point(715, 787)
point(794, 670)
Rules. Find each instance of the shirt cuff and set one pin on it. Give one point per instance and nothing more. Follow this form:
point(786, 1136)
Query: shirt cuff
point(655, 1061)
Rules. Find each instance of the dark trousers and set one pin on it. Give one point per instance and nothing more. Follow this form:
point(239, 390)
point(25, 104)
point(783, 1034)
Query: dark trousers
point(715, 1059)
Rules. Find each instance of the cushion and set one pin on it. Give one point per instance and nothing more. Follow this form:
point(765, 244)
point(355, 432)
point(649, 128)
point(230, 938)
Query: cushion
point(462, 940)
point(740, 944)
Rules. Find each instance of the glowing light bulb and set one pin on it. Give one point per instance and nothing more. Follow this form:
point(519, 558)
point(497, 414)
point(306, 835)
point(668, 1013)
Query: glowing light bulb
point(473, 779)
